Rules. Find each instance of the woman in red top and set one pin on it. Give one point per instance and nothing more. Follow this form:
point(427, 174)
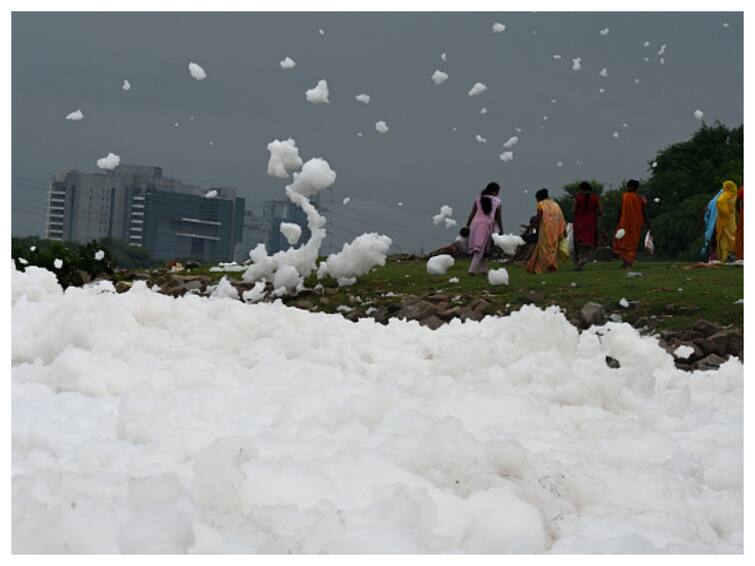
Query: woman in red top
point(586, 208)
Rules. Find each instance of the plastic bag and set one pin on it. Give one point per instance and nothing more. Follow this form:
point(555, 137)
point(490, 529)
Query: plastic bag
point(649, 244)
point(563, 250)
point(570, 237)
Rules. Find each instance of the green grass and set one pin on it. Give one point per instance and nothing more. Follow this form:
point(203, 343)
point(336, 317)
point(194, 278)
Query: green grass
point(706, 293)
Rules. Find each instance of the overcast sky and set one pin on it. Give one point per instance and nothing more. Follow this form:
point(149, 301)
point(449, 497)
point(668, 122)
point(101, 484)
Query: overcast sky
point(68, 61)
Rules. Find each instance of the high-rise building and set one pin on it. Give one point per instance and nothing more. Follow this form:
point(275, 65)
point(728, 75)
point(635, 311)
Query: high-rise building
point(137, 204)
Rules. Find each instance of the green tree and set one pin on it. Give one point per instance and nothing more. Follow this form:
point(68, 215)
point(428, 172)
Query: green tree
point(686, 176)
point(125, 255)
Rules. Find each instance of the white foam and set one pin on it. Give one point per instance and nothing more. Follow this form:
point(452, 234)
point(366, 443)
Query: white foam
point(197, 72)
point(439, 264)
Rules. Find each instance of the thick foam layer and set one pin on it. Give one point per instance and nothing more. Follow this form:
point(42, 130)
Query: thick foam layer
point(146, 423)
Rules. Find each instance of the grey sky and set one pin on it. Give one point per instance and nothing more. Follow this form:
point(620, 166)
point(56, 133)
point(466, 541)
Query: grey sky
point(68, 61)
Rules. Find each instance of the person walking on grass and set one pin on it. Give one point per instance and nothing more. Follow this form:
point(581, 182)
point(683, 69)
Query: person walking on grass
point(708, 220)
point(484, 217)
point(726, 221)
point(586, 208)
point(551, 228)
point(632, 216)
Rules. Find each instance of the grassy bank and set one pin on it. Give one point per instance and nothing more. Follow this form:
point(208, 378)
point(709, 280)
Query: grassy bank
point(668, 295)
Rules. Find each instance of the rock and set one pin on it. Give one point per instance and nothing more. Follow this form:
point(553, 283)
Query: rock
point(709, 362)
point(123, 286)
point(592, 314)
point(393, 308)
point(736, 342)
point(709, 347)
point(729, 341)
point(331, 290)
point(612, 363)
point(84, 276)
point(197, 284)
point(324, 301)
point(705, 327)
point(303, 304)
point(689, 335)
point(417, 310)
point(721, 339)
point(380, 315)
point(448, 314)
point(482, 306)
point(466, 313)
point(432, 322)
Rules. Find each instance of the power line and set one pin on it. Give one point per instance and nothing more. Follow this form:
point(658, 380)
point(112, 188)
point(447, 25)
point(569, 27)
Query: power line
point(352, 209)
point(405, 226)
point(383, 227)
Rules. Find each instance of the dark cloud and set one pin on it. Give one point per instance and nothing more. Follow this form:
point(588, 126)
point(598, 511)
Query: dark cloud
point(62, 62)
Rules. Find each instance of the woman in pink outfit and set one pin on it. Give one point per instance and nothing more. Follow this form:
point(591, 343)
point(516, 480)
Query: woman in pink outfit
point(485, 215)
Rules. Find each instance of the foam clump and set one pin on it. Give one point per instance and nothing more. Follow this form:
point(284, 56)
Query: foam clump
point(498, 276)
point(439, 264)
point(224, 290)
point(439, 77)
point(356, 258)
point(197, 72)
point(445, 212)
point(291, 231)
point(477, 89)
point(319, 93)
point(286, 277)
point(284, 158)
point(109, 162)
point(508, 242)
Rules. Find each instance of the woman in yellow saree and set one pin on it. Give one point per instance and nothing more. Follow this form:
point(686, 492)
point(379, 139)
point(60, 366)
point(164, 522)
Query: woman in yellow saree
point(726, 222)
point(551, 227)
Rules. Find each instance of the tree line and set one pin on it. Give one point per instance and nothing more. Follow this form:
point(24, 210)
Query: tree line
point(686, 175)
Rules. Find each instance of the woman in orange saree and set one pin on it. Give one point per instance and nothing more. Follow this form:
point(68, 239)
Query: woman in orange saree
point(551, 227)
point(632, 216)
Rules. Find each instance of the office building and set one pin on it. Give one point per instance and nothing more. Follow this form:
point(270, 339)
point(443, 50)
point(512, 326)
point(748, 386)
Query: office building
point(136, 203)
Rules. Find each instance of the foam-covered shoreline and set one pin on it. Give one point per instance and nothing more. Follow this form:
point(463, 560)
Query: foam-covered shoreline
point(144, 423)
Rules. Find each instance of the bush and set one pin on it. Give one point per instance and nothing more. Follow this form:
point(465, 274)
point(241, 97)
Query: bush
point(79, 263)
